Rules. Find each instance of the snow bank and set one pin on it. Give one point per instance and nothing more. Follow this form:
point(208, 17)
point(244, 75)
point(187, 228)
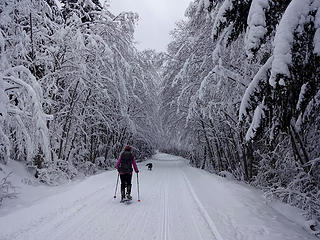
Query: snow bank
point(242, 212)
point(28, 189)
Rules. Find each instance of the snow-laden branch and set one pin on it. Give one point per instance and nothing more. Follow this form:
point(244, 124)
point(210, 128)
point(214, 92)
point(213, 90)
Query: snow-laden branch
point(256, 122)
point(316, 39)
point(296, 14)
point(4, 140)
point(302, 94)
point(254, 90)
point(220, 18)
point(181, 74)
point(227, 73)
point(22, 77)
point(256, 29)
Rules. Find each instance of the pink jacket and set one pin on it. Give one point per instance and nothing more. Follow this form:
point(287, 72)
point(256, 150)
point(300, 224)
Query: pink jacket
point(133, 162)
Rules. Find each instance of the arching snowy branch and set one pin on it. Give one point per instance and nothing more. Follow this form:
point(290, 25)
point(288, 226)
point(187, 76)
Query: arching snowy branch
point(27, 85)
point(220, 19)
point(256, 29)
point(256, 122)
point(253, 94)
point(295, 14)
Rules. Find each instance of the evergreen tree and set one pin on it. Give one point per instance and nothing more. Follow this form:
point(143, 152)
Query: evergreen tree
point(85, 10)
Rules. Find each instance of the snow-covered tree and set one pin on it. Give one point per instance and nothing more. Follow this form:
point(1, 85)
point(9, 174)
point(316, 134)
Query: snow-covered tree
point(74, 86)
point(240, 93)
point(83, 10)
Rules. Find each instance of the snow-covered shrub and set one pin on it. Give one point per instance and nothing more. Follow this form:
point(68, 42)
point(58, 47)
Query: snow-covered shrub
point(112, 162)
point(226, 175)
point(282, 177)
point(87, 168)
point(7, 190)
point(55, 174)
point(302, 192)
point(67, 168)
point(101, 163)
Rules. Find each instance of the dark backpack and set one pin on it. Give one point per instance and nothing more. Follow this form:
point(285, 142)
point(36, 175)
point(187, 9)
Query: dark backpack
point(126, 162)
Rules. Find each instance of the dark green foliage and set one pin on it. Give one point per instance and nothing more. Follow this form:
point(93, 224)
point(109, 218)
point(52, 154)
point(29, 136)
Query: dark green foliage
point(237, 17)
point(274, 14)
point(305, 69)
point(210, 5)
point(78, 7)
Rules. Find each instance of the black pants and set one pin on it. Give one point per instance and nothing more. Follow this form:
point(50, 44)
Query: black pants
point(125, 179)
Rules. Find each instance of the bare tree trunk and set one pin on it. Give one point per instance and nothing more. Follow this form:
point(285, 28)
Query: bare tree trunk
point(107, 148)
point(207, 142)
point(250, 160)
point(68, 118)
point(296, 150)
point(75, 135)
point(32, 45)
point(244, 158)
point(303, 149)
point(204, 158)
point(92, 141)
point(236, 147)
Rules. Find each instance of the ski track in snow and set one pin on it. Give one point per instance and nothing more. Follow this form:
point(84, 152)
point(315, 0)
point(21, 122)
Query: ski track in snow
point(176, 203)
point(203, 211)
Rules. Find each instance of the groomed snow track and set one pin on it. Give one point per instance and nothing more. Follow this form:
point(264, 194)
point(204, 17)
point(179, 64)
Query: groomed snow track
point(177, 203)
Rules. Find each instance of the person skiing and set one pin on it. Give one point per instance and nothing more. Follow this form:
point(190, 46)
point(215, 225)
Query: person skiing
point(124, 166)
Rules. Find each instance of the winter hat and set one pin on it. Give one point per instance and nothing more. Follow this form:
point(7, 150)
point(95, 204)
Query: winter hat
point(127, 148)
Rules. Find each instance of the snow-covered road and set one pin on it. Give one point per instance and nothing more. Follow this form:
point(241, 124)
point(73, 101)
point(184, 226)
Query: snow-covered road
point(177, 202)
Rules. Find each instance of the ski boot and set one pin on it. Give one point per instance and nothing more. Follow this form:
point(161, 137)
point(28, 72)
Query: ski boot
point(123, 195)
point(129, 192)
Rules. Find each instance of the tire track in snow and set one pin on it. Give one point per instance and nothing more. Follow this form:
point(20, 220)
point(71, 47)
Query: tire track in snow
point(203, 211)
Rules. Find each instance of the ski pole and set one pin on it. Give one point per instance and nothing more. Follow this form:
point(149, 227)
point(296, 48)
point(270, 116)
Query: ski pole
point(115, 192)
point(138, 188)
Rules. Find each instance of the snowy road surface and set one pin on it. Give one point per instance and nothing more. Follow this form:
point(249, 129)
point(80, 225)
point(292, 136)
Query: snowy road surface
point(177, 202)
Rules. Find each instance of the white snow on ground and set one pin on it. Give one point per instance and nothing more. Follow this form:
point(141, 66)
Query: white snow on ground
point(27, 189)
point(177, 202)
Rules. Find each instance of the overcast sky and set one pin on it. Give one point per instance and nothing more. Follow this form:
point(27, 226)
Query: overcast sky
point(157, 19)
